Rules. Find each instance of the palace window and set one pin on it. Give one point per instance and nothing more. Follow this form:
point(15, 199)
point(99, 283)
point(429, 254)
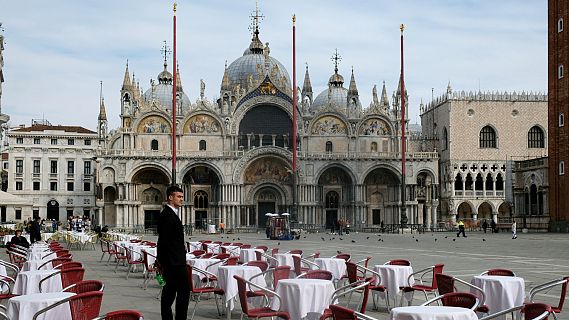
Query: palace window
point(19, 185)
point(201, 200)
point(87, 142)
point(70, 186)
point(87, 167)
point(37, 140)
point(19, 140)
point(36, 167)
point(53, 166)
point(70, 167)
point(71, 142)
point(36, 185)
point(203, 145)
point(536, 138)
point(445, 139)
point(87, 186)
point(154, 145)
point(487, 137)
point(53, 186)
point(329, 147)
point(54, 141)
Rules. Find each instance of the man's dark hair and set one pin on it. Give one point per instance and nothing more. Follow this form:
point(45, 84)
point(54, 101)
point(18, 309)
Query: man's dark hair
point(172, 189)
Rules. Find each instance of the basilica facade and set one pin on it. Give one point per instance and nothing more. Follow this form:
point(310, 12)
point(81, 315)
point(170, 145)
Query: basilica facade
point(234, 155)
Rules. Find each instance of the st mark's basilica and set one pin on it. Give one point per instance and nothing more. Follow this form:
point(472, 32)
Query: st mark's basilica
point(234, 158)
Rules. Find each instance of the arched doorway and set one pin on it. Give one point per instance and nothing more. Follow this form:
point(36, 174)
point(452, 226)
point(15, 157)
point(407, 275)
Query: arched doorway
point(382, 190)
point(109, 209)
point(201, 205)
point(151, 200)
point(267, 200)
point(202, 191)
point(484, 211)
point(504, 211)
point(53, 210)
point(151, 184)
point(464, 211)
point(337, 196)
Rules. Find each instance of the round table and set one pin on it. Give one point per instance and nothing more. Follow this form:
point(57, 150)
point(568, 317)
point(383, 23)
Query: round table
point(232, 250)
point(195, 246)
point(303, 297)
point(212, 247)
point(246, 255)
point(432, 313)
point(203, 264)
point(226, 281)
point(24, 307)
point(336, 266)
point(27, 282)
point(285, 259)
point(501, 292)
point(393, 277)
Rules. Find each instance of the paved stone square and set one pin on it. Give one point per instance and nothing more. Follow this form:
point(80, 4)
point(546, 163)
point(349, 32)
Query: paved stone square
point(535, 257)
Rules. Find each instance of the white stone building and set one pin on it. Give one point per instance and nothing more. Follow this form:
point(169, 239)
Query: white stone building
point(54, 166)
point(478, 136)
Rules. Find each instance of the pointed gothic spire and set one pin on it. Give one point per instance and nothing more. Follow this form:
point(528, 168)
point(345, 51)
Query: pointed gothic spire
point(225, 82)
point(126, 81)
point(307, 86)
point(178, 79)
point(102, 111)
point(384, 100)
point(449, 88)
point(353, 90)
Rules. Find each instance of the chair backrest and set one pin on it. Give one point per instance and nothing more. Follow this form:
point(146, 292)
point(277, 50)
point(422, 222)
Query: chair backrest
point(246, 246)
point(274, 251)
point(124, 315)
point(198, 253)
point(149, 267)
point(71, 276)
point(189, 272)
point(500, 272)
point(352, 271)
point(86, 306)
point(264, 248)
point(437, 269)
point(67, 255)
point(222, 256)
point(563, 294)
point(57, 261)
point(279, 273)
point(445, 283)
point(258, 255)
point(460, 299)
point(61, 252)
point(218, 242)
point(85, 286)
point(295, 251)
point(317, 274)
point(342, 313)
point(68, 265)
point(344, 256)
point(263, 265)
point(297, 262)
point(207, 255)
point(398, 262)
point(533, 310)
point(365, 295)
point(232, 261)
point(242, 291)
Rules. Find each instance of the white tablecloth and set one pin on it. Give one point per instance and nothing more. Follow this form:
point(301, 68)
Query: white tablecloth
point(211, 228)
point(393, 277)
point(195, 246)
point(24, 307)
point(203, 264)
point(31, 265)
point(232, 250)
point(153, 251)
point(246, 255)
point(432, 313)
point(336, 266)
point(303, 297)
point(38, 252)
point(501, 292)
point(212, 247)
point(229, 284)
point(27, 282)
point(285, 259)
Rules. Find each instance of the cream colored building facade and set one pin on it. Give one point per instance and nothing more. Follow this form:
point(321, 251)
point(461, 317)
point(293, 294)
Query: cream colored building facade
point(478, 136)
point(234, 154)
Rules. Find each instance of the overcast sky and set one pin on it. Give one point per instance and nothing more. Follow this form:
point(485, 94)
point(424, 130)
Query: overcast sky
point(57, 52)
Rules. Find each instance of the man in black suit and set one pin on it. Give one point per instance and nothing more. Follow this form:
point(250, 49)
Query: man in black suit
point(35, 230)
point(171, 257)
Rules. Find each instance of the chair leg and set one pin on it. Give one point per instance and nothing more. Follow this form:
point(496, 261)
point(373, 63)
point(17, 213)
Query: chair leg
point(195, 306)
point(128, 271)
point(102, 257)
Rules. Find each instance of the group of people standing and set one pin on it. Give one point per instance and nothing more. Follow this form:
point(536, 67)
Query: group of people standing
point(493, 227)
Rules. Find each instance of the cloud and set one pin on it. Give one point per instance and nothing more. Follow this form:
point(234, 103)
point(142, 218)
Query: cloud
point(57, 52)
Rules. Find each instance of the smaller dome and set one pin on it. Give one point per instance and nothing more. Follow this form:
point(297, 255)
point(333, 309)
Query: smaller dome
point(165, 76)
point(337, 97)
point(336, 79)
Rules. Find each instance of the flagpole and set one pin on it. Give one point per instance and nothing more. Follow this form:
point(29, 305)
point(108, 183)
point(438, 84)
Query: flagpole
point(294, 98)
point(403, 184)
point(174, 106)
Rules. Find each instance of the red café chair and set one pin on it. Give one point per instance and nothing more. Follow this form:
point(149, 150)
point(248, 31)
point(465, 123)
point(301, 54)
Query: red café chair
point(316, 274)
point(342, 313)
point(296, 251)
point(68, 277)
point(121, 315)
point(398, 262)
point(68, 265)
point(245, 246)
point(344, 256)
point(54, 262)
point(264, 248)
point(262, 312)
point(6, 285)
point(530, 311)
point(148, 268)
point(104, 248)
point(132, 263)
point(278, 273)
point(298, 268)
point(456, 299)
point(206, 288)
point(119, 255)
point(353, 269)
point(546, 287)
point(198, 253)
point(85, 286)
point(84, 306)
point(447, 284)
point(432, 271)
point(112, 251)
point(499, 272)
point(263, 265)
point(232, 261)
point(222, 256)
point(361, 285)
point(274, 251)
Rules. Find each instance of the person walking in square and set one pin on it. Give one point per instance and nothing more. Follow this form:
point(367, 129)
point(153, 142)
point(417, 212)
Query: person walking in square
point(484, 225)
point(461, 229)
point(514, 230)
point(171, 257)
point(493, 225)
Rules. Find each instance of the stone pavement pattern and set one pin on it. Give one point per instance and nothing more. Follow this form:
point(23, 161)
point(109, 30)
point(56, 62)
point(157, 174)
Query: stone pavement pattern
point(535, 257)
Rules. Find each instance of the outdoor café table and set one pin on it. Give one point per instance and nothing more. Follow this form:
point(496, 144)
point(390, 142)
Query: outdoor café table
point(203, 264)
point(195, 246)
point(31, 265)
point(46, 236)
point(40, 253)
point(285, 259)
point(336, 266)
point(226, 282)
point(232, 250)
point(24, 307)
point(393, 277)
point(3, 271)
point(303, 298)
point(27, 282)
point(501, 292)
point(152, 254)
point(212, 247)
point(432, 313)
point(246, 255)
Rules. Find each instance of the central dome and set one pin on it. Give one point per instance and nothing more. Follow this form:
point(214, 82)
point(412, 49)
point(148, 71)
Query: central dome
point(252, 63)
point(162, 92)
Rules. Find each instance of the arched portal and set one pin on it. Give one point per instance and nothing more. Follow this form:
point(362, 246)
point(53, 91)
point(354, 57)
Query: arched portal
point(202, 193)
point(504, 210)
point(53, 210)
point(382, 190)
point(464, 211)
point(109, 209)
point(150, 184)
point(267, 200)
point(336, 188)
point(485, 211)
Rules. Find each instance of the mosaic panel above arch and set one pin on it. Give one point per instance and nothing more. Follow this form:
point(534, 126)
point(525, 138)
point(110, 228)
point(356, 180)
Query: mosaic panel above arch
point(328, 126)
point(154, 124)
point(202, 124)
point(375, 127)
point(267, 168)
